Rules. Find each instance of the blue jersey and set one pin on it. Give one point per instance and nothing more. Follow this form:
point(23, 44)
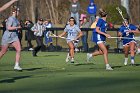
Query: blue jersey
point(123, 29)
point(103, 27)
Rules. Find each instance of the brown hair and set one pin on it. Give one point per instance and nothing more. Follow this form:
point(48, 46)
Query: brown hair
point(14, 9)
point(102, 13)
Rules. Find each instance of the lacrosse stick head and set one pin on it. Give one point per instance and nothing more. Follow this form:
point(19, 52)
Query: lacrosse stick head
point(119, 10)
point(50, 34)
point(137, 38)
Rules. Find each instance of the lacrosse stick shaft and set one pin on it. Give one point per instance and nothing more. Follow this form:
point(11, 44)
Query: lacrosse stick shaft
point(120, 12)
point(121, 38)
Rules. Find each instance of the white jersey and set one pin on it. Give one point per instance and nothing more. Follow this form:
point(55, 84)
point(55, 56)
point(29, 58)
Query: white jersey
point(72, 31)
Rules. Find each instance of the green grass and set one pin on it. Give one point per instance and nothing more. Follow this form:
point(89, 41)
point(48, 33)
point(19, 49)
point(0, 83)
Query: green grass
point(49, 73)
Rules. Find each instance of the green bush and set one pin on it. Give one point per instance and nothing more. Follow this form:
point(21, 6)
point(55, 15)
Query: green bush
point(113, 14)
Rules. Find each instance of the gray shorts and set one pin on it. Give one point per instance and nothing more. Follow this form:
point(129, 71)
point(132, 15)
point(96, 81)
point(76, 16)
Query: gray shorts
point(9, 37)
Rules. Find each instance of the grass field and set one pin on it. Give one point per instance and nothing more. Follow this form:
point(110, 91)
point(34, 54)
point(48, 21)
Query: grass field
point(49, 73)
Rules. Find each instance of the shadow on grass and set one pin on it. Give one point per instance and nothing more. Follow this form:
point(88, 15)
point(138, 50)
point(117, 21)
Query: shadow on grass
point(136, 65)
point(13, 79)
point(116, 67)
point(32, 69)
point(50, 55)
point(79, 64)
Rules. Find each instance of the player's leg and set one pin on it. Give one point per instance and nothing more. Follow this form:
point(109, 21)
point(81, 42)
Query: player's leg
point(126, 52)
point(132, 51)
point(3, 50)
point(17, 46)
point(71, 47)
point(96, 53)
point(105, 54)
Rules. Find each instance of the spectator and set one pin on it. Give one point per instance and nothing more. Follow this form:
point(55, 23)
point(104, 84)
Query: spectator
point(95, 22)
point(74, 9)
point(85, 24)
point(29, 35)
point(48, 39)
point(91, 10)
point(4, 25)
point(19, 32)
point(38, 30)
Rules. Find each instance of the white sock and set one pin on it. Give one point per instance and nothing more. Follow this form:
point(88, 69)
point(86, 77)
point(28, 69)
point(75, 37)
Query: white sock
point(132, 61)
point(107, 65)
point(17, 64)
point(90, 55)
point(126, 59)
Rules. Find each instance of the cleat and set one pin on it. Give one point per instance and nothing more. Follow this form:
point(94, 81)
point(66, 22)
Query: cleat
point(109, 68)
point(31, 49)
point(18, 68)
point(72, 60)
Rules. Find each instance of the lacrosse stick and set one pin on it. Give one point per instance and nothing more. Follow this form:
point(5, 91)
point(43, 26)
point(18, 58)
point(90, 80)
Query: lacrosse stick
point(121, 13)
point(53, 35)
point(135, 38)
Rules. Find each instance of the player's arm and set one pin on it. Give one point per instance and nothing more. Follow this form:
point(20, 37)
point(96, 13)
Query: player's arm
point(7, 5)
point(62, 34)
point(134, 31)
point(34, 28)
point(80, 34)
point(102, 33)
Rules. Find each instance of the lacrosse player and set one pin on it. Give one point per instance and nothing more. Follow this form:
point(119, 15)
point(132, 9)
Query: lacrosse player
point(10, 37)
point(73, 34)
point(128, 30)
point(99, 37)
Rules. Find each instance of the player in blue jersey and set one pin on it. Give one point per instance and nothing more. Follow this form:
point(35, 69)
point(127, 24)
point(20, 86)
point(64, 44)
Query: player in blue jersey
point(73, 33)
point(128, 30)
point(99, 37)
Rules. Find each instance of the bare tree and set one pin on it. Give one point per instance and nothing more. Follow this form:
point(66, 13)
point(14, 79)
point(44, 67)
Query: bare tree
point(32, 11)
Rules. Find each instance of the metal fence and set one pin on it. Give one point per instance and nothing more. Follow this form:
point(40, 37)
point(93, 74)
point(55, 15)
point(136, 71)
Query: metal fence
point(113, 43)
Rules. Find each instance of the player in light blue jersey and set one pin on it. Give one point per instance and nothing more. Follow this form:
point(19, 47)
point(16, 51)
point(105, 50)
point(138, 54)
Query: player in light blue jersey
point(73, 33)
point(99, 37)
point(10, 37)
point(128, 30)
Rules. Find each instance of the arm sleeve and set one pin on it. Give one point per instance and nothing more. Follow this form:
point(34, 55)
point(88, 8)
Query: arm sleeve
point(78, 29)
point(33, 28)
point(66, 30)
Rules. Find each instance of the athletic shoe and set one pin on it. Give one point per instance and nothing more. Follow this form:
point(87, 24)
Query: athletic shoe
point(108, 68)
point(88, 57)
point(34, 53)
point(72, 60)
point(17, 68)
point(31, 49)
point(68, 58)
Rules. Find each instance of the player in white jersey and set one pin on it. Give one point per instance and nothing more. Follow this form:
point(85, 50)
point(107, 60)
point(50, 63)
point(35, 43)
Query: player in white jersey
point(73, 33)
